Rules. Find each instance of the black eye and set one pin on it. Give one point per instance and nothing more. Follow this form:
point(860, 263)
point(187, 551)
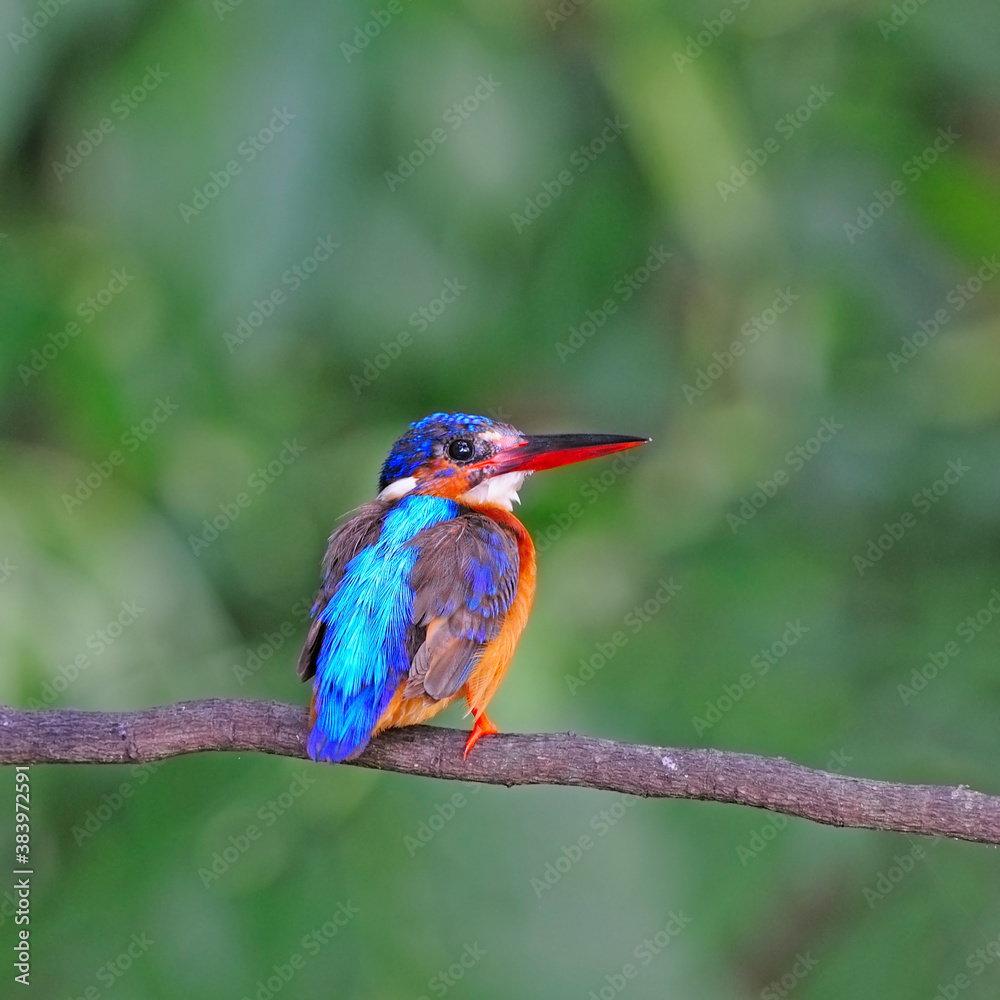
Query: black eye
point(461, 450)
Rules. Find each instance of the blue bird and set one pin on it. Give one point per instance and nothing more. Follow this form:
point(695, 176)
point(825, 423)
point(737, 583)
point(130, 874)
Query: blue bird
point(427, 588)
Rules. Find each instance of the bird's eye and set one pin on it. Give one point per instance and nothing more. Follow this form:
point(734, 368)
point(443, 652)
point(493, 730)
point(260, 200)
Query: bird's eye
point(461, 450)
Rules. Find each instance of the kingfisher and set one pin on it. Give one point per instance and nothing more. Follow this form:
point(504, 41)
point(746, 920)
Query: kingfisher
point(426, 589)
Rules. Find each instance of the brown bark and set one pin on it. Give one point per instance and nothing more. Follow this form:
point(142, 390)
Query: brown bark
point(66, 736)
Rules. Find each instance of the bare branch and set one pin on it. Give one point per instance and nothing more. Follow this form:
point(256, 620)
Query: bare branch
point(73, 737)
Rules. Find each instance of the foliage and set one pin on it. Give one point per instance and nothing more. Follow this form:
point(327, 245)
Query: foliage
point(245, 244)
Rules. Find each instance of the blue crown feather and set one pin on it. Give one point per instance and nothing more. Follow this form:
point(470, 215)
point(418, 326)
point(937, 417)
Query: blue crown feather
point(416, 446)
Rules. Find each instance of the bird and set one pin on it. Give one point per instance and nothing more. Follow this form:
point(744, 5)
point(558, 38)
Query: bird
point(426, 589)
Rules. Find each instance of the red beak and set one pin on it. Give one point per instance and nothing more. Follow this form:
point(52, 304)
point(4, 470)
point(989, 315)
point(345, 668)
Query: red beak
point(538, 452)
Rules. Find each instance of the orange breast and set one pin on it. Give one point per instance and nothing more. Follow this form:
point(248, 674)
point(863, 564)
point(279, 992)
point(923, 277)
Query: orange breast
point(488, 673)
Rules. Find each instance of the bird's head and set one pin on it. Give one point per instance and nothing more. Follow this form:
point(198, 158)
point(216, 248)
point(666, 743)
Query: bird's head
point(477, 460)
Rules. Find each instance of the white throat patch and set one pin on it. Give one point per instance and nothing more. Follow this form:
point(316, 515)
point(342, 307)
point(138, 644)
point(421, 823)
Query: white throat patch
point(498, 490)
point(398, 489)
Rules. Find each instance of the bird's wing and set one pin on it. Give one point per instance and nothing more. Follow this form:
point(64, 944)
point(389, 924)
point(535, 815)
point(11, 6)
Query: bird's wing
point(464, 581)
point(358, 532)
point(359, 646)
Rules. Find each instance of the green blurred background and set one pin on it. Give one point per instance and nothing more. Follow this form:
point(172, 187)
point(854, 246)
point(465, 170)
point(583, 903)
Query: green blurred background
point(173, 164)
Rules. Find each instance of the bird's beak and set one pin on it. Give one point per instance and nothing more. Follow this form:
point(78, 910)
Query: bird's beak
point(549, 451)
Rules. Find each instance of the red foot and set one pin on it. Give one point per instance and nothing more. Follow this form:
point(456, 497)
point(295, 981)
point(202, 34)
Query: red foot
point(483, 727)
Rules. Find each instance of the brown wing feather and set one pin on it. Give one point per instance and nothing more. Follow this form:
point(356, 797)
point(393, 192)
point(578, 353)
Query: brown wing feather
point(459, 612)
point(361, 530)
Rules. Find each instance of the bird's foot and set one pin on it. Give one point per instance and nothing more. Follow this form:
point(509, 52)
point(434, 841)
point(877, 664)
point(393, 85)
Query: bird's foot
point(483, 727)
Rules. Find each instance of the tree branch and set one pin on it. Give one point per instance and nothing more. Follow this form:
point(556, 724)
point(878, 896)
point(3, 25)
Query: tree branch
point(67, 736)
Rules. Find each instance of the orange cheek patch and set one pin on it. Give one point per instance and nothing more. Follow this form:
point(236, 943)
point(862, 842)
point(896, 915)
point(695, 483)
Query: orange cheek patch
point(442, 479)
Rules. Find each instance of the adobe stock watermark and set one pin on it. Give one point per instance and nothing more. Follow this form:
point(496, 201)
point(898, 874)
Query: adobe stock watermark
point(292, 279)
point(121, 109)
point(899, 15)
point(131, 441)
point(240, 844)
point(624, 288)
point(7, 570)
point(444, 813)
point(112, 971)
point(44, 12)
point(454, 117)
point(713, 28)
point(23, 870)
point(247, 152)
point(420, 320)
point(13, 906)
point(96, 644)
point(903, 865)
point(643, 954)
point(958, 298)
point(796, 460)
point(591, 492)
point(364, 34)
point(977, 963)
point(968, 629)
point(922, 502)
point(761, 662)
point(88, 310)
point(751, 330)
point(224, 7)
point(312, 944)
point(580, 160)
point(111, 803)
point(786, 127)
point(257, 483)
point(555, 16)
point(762, 838)
point(601, 823)
point(912, 169)
point(778, 989)
point(635, 621)
point(446, 980)
point(270, 642)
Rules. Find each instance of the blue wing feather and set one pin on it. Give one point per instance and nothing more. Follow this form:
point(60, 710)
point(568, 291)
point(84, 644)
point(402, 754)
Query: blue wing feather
point(363, 656)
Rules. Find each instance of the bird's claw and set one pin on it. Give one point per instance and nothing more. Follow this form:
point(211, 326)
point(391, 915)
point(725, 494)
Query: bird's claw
point(483, 727)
